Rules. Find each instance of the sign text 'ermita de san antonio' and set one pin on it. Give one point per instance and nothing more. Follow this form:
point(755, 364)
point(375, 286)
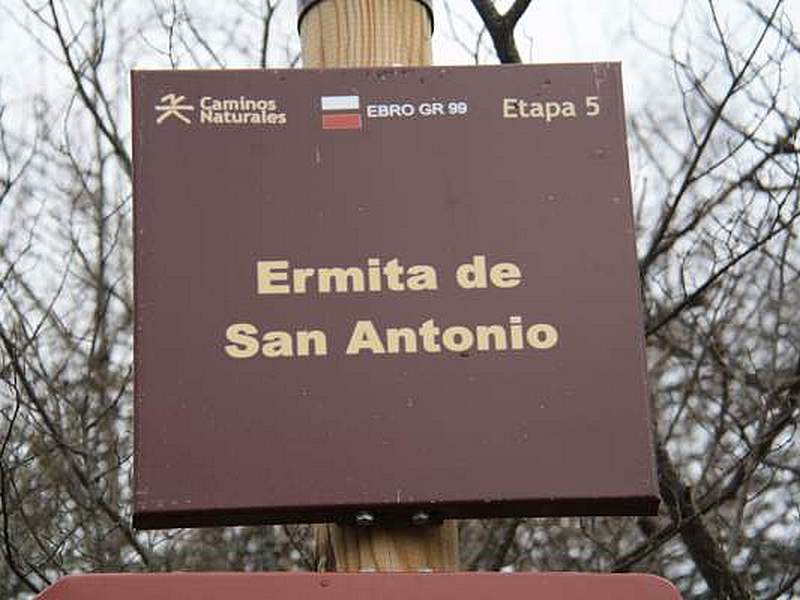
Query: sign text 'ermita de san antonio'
point(386, 290)
point(275, 277)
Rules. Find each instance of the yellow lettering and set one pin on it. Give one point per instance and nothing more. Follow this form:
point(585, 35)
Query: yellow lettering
point(243, 344)
point(364, 337)
point(422, 277)
point(277, 344)
point(271, 276)
point(457, 339)
point(505, 275)
point(496, 331)
point(429, 331)
point(344, 280)
point(305, 340)
point(515, 324)
point(299, 278)
point(542, 336)
point(393, 270)
point(393, 337)
point(472, 275)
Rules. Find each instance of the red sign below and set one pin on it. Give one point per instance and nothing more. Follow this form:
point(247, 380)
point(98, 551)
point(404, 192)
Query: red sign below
point(359, 586)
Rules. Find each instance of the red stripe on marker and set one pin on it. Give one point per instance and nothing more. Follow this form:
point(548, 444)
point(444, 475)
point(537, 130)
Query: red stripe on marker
point(341, 121)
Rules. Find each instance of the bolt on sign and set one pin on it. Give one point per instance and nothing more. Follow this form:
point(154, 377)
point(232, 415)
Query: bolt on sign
point(390, 291)
point(387, 586)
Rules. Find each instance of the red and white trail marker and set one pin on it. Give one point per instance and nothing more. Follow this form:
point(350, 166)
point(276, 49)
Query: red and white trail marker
point(340, 112)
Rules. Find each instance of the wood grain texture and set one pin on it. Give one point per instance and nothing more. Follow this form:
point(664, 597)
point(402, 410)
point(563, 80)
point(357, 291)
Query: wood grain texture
point(366, 33)
point(352, 548)
point(375, 33)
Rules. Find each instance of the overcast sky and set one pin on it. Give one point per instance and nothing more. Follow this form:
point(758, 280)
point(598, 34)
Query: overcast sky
point(551, 31)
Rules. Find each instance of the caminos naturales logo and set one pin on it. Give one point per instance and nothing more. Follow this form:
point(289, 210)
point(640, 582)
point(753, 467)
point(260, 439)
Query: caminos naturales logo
point(210, 110)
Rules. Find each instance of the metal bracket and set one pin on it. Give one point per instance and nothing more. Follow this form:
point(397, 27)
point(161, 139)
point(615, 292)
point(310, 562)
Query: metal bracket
point(418, 518)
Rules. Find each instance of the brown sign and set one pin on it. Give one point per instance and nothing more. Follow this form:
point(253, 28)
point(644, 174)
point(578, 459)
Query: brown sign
point(395, 586)
point(386, 290)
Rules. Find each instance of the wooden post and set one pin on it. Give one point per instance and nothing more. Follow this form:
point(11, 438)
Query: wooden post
point(365, 33)
point(375, 33)
point(376, 548)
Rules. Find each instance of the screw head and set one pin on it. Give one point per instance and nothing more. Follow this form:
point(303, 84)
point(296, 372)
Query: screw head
point(420, 518)
point(365, 519)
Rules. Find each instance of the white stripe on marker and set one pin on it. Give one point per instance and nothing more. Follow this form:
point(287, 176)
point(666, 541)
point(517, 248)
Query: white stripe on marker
point(339, 102)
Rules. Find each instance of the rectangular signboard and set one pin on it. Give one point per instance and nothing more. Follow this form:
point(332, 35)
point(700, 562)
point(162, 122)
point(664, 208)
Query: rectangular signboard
point(386, 290)
point(360, 586)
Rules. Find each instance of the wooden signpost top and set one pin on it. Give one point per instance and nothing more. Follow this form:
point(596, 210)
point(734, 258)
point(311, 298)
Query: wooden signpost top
point(369, 33)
